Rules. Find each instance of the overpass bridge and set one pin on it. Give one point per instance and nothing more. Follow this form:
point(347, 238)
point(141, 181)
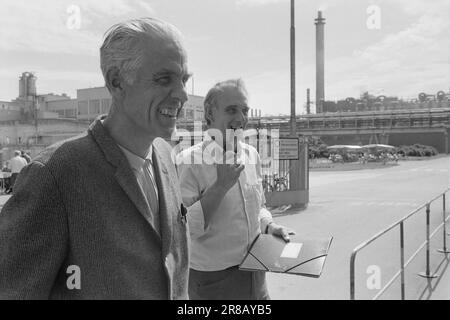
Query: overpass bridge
point(396, 127)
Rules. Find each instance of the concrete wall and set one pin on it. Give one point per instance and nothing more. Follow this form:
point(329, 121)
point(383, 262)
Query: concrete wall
point(8, 115)
point(193, 108)
point(22, 133)
point(95, 101)
point(8, 105)
point(64, 108)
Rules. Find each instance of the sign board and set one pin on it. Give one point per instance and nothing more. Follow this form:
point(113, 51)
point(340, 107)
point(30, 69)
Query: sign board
point(286, 149)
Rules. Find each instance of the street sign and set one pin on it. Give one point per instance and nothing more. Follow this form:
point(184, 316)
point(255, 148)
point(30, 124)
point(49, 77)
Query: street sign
point(286, 149)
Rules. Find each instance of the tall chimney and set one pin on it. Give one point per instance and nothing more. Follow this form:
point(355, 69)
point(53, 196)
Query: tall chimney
point(320, 62)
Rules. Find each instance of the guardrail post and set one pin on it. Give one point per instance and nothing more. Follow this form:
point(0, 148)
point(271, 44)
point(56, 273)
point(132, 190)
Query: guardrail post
point(427, 274)
point(444, 235)
point(402, 259)
point(352, 276)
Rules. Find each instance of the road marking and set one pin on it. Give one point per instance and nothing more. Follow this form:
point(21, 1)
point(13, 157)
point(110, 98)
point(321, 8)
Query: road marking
point(312, 204)
point(383, 204)
point(428, 170)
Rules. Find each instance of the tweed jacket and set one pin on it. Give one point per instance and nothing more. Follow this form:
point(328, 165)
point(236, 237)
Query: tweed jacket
point(78, 218)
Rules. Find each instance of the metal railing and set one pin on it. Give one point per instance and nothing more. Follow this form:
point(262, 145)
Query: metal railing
point(403, 265)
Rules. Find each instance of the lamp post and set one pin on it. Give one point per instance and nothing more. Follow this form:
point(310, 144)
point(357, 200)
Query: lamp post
point(294, 165)
point(293, 124)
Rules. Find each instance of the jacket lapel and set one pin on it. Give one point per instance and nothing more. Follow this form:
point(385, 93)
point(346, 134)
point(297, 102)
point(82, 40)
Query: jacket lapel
point(166, 209)
point(124, 174)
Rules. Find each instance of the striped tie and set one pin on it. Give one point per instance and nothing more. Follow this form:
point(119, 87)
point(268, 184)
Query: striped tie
point(151, 192)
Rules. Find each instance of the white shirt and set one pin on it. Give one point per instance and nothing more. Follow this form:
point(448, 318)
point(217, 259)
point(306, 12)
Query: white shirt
point(241, 215)
point(145, 181)
point(17, 163)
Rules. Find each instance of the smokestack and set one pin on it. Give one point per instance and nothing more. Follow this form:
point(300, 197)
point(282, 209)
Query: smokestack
point(320, 62)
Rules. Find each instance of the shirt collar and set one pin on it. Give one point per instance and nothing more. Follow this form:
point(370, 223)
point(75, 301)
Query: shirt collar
point(136, 162)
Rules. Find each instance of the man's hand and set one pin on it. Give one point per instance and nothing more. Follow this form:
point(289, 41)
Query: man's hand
point(227, 176)
point(280, 231)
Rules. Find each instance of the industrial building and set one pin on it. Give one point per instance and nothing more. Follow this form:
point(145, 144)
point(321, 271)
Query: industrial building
point(89, 104)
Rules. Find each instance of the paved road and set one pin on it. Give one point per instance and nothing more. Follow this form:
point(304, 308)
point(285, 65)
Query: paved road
point(353, 206)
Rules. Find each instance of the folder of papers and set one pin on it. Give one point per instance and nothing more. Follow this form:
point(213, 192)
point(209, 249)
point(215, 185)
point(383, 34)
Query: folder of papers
point(300, 256)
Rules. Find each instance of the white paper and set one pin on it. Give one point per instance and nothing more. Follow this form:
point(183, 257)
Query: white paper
point(291, 250)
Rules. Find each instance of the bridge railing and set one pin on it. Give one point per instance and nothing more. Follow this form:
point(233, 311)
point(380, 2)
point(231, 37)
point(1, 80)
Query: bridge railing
point(401, 272)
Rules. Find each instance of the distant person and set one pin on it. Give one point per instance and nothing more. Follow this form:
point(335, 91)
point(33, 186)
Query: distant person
point(226, 205)
point(100, 216)
point(6, 167)
point(6, 179)
point(25, 156)
point(17, 163)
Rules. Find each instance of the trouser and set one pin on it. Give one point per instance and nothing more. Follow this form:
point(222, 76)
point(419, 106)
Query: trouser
point(228, 284)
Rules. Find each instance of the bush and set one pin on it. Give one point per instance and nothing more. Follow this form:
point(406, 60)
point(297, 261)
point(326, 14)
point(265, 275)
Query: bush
point(417, 150)
point(317, 149)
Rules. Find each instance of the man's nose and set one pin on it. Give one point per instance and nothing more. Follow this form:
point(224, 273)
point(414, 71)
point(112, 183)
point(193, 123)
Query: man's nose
point(242, 117)
point(179, 93)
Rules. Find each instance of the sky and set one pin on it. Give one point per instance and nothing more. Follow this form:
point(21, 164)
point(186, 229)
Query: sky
point(391, 47)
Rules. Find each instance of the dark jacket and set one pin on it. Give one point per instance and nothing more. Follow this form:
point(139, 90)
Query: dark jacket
point(78, 204)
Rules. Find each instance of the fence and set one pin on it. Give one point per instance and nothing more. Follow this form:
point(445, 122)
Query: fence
point(285, 182)
point(401, 273)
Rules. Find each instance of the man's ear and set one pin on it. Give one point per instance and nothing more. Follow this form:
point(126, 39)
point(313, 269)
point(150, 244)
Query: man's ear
point(209, 113)
point(114, 80)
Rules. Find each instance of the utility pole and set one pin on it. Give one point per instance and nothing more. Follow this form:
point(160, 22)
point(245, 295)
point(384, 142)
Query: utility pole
point(308, 101)
point(35, 111)
point(293, 122)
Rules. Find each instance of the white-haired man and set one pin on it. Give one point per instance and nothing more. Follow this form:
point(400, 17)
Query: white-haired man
point(225, 201)
point(17, 163)
point(100, 216)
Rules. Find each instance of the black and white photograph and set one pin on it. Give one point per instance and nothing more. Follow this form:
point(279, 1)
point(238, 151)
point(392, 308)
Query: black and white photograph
point(240, 152)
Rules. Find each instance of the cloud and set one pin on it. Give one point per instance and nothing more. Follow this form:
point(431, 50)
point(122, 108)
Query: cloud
point(252, 3)
point(50, 26)
point(420, 7)
point(404, 63)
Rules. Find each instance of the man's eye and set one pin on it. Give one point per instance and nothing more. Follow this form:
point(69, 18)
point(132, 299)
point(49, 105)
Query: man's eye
point(163, 80)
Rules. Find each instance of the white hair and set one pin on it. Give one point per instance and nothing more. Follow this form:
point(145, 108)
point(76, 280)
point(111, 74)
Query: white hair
point(122, 46)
